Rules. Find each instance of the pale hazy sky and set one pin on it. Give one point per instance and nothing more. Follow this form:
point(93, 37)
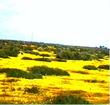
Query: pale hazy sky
point(73, 22)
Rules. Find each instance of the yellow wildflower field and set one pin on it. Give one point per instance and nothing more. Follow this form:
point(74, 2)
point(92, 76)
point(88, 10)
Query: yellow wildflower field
point(93, 85)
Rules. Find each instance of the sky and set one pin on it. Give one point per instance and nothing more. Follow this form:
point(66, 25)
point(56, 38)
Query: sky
point(70, 22)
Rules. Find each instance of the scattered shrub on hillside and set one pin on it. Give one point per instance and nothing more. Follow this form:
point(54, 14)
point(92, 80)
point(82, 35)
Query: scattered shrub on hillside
point(27, 49)
point(35, 53)
point(40, 49)
point(44, 55)
point(9, 51)
point(90, 67)
point(85, 56)
point(73, 55)
point(66, 54)
point(59, 60)
point(44, 70)
point(33, 90)
point(95, 81)
point(3, 54)
point(10, 80)
point(68, 99)
point(19, 73)
point(43, 59)
point(27, 58)
point(104, 67)
point(81, 72)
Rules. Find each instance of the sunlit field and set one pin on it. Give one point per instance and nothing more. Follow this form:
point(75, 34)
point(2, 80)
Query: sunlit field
point(54, 52)
point(91, 85)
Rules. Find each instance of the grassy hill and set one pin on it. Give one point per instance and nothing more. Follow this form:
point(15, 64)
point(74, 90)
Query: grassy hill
point(43, 73)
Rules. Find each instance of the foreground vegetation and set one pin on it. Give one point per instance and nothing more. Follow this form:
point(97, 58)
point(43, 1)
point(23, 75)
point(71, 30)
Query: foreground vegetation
point(53, 74)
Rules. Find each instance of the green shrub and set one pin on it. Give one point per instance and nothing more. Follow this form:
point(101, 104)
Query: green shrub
point(85, 57)
point(19, 73)
point(95, 81)
point(44, 70)
point(43, 59)
point(9, 51)
point(35, 53)
point(68, 99)
point(27, 49)
point(90, 67)
point(33, 89)
point(45, 55)
point(3, 54)
point(10, 80)
point(104, 67)
point(81, 72)
point(27, 58)
point(66, 54)
point(60, 60)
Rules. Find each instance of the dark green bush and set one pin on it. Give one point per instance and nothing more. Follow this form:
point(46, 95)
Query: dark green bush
point(10, 80)
point(9, 51)
point(3, 54)
point(104, 67)
point(43, 59)
point(19, 73)
point(90, 67)
point(95, 81)
point(66, 54)
point(81, 72)
point(33, 89)
point(44, 55)
point(59, 60)
point(35, 53)
point(85, 56)
point(27, 58)
point(44, 70)
point(27, 49)
point(68, 99)
point(73, 55)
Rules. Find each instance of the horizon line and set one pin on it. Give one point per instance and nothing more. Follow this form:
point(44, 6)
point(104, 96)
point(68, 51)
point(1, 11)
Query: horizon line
point(52, 43)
